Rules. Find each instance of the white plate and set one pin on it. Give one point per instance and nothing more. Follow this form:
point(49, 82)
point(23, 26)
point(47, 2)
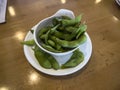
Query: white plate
point(118, 2)
point(86, 48)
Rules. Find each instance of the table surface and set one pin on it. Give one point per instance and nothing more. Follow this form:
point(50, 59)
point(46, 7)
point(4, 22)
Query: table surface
point(102, 72)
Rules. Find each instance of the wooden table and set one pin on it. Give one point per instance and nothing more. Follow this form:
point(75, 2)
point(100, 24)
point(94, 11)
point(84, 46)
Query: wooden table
point(101, 73)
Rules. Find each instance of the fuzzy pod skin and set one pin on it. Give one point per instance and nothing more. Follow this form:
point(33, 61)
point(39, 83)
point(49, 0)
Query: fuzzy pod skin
point(40, 56)
point(28, 43)
point(43, 30)
point(70, 44)
point(50, 48)
point(75, 60)
point(72, 21)
point(53, 61)
point(46, 60)
point(82, 30)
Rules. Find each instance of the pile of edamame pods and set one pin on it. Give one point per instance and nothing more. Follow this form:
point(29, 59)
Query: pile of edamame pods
point(64, 34)
point(48, 61)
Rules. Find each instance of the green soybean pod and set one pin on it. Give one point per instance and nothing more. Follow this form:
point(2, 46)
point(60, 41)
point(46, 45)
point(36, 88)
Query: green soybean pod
point(49, 48)
point(43, 30)
point(54, 45)
point(70, 44)
point(53, 61)
point(72, 21)
point(46, 60)
point(43, 36)
point(28, 42)
point(58, 47)
point(71, 29)
point(46, 37)
point(54, 28)
point(77, 30)
point(43, 61)
point(61, 35)
point(75, 60)
point(56, 20)
point(51, 43)
point(50, 32)
point(82, 30)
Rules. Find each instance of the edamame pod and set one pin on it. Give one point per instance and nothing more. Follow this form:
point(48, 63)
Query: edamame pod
point(76, 32)
point(71, 29)
point(82, 30)
point(29, 42)
point(44, 30)
point(56, 20)
point(54, 45)
point(72, 21)
point(70, 44)
point(54, 63)
point(46, 37)
point(43, 36)
point(61, 35)
point(50, 32)
point(75, 59)
point(58, 47)
point(49, 48)
point(54, 28)
point(51, 43)
point(43, 61)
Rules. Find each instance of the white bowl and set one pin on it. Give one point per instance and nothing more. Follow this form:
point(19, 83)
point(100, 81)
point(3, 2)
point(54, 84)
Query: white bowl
point(48, 21)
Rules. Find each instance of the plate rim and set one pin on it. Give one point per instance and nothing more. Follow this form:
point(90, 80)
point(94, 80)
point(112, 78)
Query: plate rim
point(52, 71)
point(118, 2)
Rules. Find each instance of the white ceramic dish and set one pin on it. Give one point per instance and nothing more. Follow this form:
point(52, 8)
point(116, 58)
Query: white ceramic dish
point(86, 48)
point(118, 2)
